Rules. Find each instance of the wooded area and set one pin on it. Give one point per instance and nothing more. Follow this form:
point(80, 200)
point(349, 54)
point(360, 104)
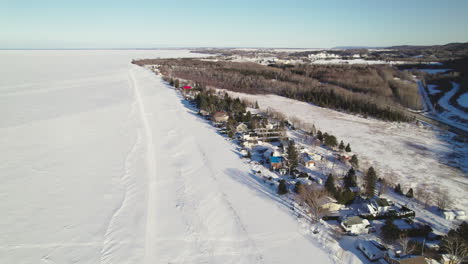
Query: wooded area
point(378, 91)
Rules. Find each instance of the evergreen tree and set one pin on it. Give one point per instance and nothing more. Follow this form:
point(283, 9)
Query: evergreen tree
point(282, 188)
point(410, 194)
point(176, 83)
point(341, 146)
point(350, 179)
point(370, 180)
point(348, 148)
point(398, 189)
point(171, 81)
point(354, 161)
point(330, 184)
point(249, 155)
point(319, 135)
point(345, 196)
point(293, 158)
point(256, 105)
point(248, 117)
point(330, 140)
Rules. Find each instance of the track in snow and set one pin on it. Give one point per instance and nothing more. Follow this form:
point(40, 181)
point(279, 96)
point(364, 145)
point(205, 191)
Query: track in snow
point(199, 209)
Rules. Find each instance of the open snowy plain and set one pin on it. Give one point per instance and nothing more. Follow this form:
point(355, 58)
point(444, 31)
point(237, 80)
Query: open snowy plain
point(102, 163)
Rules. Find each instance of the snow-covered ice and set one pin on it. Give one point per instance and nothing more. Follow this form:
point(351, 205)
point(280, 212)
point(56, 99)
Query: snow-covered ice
point(102, 163)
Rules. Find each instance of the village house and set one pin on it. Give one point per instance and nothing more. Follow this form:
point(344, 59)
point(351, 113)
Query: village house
point(329, 204)
point(220, 117)
point(355, 225)
point(371, 249)
point(307, 160)
point(244, 152)
point(204, 113)
point(454, 214)
point(276, 162)
point(242, 128)
point(380, 206)
point(393, 257)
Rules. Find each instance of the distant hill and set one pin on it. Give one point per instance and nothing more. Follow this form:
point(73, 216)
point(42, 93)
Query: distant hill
point(448, 47)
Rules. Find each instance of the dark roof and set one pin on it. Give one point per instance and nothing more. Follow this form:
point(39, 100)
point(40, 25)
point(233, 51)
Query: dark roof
point(382, 202)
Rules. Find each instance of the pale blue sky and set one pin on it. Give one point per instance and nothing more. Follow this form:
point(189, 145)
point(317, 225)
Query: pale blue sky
point(239, 23)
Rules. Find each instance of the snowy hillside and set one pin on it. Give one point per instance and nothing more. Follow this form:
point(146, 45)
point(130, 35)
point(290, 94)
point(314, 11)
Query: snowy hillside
point(102, 163)
point(403, 152)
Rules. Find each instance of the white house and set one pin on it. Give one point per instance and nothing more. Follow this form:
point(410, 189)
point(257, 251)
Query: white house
point(220, 117)
point(371, 249)
point(242, 128)
point(355, 225)
point(244, 152)
point(329, 204)
point(380, 206)
point(307, 160)
point(454, 214)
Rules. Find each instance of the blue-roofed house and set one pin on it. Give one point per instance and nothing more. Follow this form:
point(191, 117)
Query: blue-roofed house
point(276, 162)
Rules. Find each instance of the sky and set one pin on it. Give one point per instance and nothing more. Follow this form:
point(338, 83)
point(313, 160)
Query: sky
point(49, 24)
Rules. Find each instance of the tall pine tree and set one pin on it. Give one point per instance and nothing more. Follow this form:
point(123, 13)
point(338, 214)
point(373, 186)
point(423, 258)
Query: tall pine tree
point(348, 148)
point(370, 179)
point(330, 185)
point(293, 158)
point(350, 179)
point(341, 146)
point(354, 161)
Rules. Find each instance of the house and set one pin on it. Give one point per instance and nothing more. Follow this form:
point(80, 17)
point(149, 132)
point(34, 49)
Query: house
point(220, 117)
point(276, 162)
point(204, 113)
point(307, 160)
point(277, 152)
point(405, 225)
point(355, 225)
point(371, 249)
point(316, 142)
point(329, 204)
point(380, 206)
point(244, 152)
point(454, 214)
point(459, 214)
point(242, 128)
point(449, 215)
point(396, 258)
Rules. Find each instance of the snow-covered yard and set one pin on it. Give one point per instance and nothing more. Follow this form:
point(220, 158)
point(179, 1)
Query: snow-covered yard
point(103, 164)
point(415, 155)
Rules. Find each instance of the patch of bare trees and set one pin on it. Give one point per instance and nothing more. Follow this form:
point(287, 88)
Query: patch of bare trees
point(311, 198)
point(456, 249)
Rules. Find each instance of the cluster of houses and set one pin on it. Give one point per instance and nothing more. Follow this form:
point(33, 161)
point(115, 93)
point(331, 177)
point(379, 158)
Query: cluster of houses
point(355, 221)
point(375, 251)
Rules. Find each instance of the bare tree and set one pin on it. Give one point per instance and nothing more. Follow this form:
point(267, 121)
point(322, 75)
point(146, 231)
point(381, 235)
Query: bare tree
point(423, 195)
point(383, 186)
point(442, 198)
point(456, 249)
point(405, 243)
point(311, 198)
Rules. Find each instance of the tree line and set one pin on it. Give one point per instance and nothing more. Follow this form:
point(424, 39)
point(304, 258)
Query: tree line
point(378, 91)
